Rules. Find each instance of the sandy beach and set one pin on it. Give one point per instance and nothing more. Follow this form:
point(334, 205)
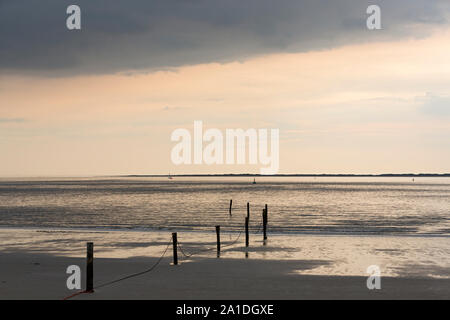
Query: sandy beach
point(34, 262)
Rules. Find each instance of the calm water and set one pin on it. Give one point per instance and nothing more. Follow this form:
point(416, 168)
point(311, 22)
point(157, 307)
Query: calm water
point(383, 206)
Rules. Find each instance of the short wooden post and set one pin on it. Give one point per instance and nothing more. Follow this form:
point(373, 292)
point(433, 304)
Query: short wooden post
point(175, 245)
point(248, 210)
point(90, 267)
point(246, 232)
point(218, 240)
point(231, 203)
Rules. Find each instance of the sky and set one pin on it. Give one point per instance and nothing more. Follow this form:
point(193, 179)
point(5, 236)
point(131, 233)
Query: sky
point(105, 99)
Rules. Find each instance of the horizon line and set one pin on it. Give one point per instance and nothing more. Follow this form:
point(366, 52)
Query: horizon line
point(156, 175)
point(290, 175)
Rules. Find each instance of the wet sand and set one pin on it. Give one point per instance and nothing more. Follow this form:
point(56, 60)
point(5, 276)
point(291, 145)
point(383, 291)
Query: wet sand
point(33, 266)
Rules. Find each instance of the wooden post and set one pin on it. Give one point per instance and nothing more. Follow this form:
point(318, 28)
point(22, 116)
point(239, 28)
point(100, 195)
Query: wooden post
point(264, 217)
point(218, 240)
point(90, 267)
point(248, 210)
point(265, 222)
point(175, 244)
point(246, 232)
point(231, 203)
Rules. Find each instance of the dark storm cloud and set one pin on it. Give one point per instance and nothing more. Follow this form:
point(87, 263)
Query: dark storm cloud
point(146, 35)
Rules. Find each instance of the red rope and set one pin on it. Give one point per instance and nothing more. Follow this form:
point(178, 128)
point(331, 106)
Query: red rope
point(76, 294)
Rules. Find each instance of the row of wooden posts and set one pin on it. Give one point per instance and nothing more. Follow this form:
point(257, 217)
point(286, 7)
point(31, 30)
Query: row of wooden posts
point(90, 245)
point(247, 238)
point(264, 217)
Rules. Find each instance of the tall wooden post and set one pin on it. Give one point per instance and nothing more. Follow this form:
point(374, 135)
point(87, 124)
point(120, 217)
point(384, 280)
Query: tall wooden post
point(231, 203)
point(264, 218)
point(175, 245)
point(248, 210)
point(218, 240)
point(90, 267)
point(246, 232)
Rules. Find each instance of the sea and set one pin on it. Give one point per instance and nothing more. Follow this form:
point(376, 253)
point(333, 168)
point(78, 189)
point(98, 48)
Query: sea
point(394, 206)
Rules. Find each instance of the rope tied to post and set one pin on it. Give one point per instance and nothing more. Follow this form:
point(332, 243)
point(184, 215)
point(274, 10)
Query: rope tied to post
point(124, 278)
point(138, 273)
point(190, 254)
point(176, 244)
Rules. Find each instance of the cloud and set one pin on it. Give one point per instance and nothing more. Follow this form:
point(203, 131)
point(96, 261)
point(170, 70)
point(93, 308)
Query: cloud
point(11, 120)
point(152, 35)
point(167, 108)
point(435, 105)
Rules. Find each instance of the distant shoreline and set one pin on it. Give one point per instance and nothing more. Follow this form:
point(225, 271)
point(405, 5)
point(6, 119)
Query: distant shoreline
point(218, 175)
point(412, 175)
